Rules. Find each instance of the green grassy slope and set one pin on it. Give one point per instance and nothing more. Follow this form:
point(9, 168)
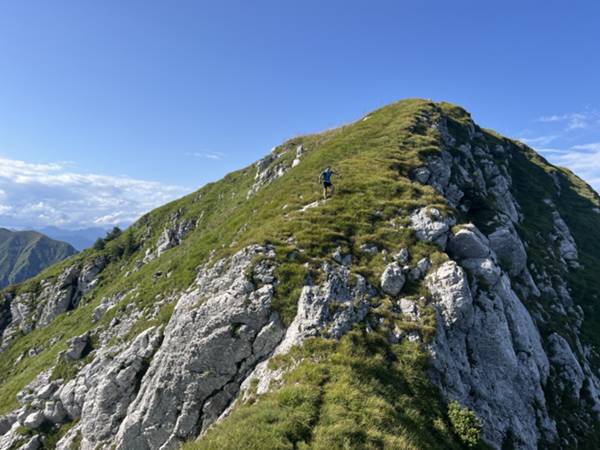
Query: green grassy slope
point(361, 390)
point(24, 254)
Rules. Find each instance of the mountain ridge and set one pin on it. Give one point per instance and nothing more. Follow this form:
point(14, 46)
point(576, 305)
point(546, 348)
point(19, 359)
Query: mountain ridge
point(444, 297)
point(24, 254)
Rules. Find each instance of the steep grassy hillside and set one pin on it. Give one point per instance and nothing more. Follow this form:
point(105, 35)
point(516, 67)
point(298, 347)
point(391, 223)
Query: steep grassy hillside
point(361, 391)
point(24, 254)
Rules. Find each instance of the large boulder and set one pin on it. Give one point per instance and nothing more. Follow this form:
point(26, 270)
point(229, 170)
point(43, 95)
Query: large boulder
point(510, 250)
point(76, 347)
point(420, 270)
point(450, 290)
point(430, 225)
point(392, 280)
point(34, 420)
point(55, 412)
point(468, 242)
point(6, 422)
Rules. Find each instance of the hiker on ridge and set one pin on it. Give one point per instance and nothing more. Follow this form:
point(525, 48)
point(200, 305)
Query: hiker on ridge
point(325, 178)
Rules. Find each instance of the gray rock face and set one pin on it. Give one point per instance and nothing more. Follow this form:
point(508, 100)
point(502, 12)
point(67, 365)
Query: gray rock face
point(422, 174)
point(439, 171)
point(473, 170)
point(33, 443)
point(402, 256)
point(484, 269)
point(34, 420)
point(409, 308)
point(570, 373)
point(420, 270)
point(173, 234)
point(469, 243)
point(509, 249)
point(269, 169)
point(111, 386)
point(106, 304)
point(88, 278)
point(566, 244)
point(392, 280)
point(62, 297)
point(216, 336)
point(76, 347)
point(487, 354)
point(340, 258)
point(27, 311)
point(431, 226)
point(299, 153)
point(314, 316)
point(505, 202)
point(328, 309)
point(449, 287)
point(54, 412)
point(6, 423)
point(102, 391)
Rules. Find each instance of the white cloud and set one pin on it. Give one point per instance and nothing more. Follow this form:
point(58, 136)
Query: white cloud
point(574, 121)
point(207, 155)
point(36, 195)
point(553, 118)
point(584, 159)
point(540, 140)
point(594, 147)
point(551, 150)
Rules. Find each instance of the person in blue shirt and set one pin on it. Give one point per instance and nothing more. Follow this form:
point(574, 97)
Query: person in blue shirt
point(325, 178)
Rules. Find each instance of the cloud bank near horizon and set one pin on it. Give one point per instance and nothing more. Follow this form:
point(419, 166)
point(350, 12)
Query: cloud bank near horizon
point(37, 195)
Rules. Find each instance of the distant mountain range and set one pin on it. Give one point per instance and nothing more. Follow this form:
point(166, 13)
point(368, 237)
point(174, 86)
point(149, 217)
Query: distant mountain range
point(80, 239)
point(24, 254)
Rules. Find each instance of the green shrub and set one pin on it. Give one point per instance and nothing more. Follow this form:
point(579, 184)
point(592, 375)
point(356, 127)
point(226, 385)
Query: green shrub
point(113, 234)
point(99, 244)
point(465, 423)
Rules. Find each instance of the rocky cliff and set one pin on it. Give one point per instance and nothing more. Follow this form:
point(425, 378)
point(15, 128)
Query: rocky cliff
point(445, 297)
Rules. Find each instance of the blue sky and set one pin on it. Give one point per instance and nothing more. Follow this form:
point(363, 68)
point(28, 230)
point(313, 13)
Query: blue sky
point(108, 109)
